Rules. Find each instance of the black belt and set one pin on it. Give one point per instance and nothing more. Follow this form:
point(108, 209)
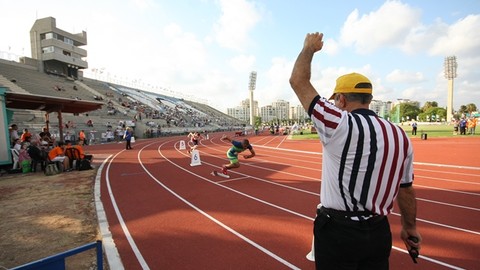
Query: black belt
point(358, 216)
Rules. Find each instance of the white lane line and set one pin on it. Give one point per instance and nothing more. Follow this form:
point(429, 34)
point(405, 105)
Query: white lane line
point(449, 204)
point(309, 218)
point(241, 236)
point(129, 237)
point(432, 260)
point(113, 257)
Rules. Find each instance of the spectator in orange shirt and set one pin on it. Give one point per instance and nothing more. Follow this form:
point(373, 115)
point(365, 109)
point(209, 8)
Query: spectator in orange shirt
point(57, 154)
point(81, 136)
point(79, 146)
point(26, 136)
point(471, 123)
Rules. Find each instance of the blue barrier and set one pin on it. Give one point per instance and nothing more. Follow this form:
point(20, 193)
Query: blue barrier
point(57, 262)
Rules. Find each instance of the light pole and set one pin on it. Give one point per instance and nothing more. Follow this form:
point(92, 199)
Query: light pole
point(450, 73)
point(251, 87)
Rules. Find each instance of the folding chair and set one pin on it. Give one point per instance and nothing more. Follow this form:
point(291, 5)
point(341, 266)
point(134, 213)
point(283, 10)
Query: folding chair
point(73, 154)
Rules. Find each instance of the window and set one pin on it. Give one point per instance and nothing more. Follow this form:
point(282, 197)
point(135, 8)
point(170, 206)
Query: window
point(50, 36)
point(68, 41)
point(48, 49)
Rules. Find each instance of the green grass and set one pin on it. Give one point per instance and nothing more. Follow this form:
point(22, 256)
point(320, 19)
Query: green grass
point(431, 130)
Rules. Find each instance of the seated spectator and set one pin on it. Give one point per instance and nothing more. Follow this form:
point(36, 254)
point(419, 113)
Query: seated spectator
point(23, 154)
point(89, 123)
point(57, 154)
point(79, 146)
point(26, 136)
point(45, 136)
point(67, 137)
point(36, 154)
point(17, 145)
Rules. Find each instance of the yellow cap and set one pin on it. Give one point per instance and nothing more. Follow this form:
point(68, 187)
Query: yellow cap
point(352, 83)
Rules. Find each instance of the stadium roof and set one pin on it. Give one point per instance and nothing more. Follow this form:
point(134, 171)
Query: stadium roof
point(49, 104)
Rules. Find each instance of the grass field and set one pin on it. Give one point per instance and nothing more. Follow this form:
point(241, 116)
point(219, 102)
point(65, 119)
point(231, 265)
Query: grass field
point(441, 130)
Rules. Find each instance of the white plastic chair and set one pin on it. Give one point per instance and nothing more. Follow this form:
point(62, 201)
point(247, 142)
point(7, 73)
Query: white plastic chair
point(15, 158)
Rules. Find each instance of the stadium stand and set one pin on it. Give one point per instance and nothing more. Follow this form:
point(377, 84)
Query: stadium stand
point(152, 114)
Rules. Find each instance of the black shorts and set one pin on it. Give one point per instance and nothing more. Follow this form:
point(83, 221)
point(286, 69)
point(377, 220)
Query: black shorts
point(340, 241)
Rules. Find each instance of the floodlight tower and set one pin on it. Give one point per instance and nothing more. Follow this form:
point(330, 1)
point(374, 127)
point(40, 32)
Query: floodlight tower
point(450, 73)
point(251, 87)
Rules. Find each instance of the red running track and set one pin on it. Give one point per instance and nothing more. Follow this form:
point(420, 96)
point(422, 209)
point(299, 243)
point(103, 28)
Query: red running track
point(164, 213)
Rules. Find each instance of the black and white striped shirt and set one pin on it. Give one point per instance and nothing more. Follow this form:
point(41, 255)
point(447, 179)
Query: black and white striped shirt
point(365, 158)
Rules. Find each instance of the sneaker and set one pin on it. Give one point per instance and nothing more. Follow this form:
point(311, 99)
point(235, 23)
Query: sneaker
point(224, 170)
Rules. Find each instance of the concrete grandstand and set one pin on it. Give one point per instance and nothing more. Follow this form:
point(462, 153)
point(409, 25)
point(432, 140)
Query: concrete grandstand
point(147, 112)
point(55, 70)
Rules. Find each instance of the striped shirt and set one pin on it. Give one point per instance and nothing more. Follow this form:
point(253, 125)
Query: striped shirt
point(365, 158)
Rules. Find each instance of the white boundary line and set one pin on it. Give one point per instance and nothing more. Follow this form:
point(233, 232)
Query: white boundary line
point(113, 257)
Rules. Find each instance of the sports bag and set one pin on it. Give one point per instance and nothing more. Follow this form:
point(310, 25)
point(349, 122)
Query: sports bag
point(84, 165)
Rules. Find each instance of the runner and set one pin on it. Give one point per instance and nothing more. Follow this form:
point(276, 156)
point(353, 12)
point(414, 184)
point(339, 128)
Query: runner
point(232, 154)
point(195, 137)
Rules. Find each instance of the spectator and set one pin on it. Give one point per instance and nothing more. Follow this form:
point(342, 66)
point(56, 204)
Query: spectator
point(17, 145)
point(24, 158)
point(67, 137)
point(26, 136)
point(46, 137)
point(463, 126)
point(81, 136)
point(471, 123)
point(13, 134)
point(91, 140)
point(79, 146)
point(414, 128)
point(57, 154)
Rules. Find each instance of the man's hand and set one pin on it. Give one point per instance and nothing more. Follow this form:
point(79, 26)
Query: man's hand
point(313, 42)
point(301, 73)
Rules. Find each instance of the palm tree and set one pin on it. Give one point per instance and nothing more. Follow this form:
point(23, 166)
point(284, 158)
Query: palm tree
point(471, 108)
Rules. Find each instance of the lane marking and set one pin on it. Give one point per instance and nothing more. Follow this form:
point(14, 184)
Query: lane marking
point(239, 235)
point(123, 225)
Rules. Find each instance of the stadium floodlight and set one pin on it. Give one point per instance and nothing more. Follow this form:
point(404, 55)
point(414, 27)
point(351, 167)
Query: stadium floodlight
point(253, 80)
point(450, 66)
point(251, 87)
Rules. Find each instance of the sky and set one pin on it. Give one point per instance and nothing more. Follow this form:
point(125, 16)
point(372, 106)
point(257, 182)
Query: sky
point(205, 50)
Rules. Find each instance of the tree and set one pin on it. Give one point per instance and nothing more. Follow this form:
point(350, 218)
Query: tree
point(433, 114)
point(428, 105)
point(467, 109)
point(404, 112)
point(471, 108)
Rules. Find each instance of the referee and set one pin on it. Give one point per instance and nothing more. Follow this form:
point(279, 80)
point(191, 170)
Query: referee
point(367, 164)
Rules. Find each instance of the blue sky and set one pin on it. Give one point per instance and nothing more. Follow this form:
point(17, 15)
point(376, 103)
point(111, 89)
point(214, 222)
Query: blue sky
point(206, 49)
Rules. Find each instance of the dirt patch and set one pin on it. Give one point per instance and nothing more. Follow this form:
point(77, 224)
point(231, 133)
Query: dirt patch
point(45, 215)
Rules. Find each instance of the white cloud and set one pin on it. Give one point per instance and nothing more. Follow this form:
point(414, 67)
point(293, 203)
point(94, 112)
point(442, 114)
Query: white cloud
point(461, 38)
point(385, 27)
point(238, 18)
point(331, 46)
point(402, 76)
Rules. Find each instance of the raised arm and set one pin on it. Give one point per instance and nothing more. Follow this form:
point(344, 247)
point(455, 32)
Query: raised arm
point(300, 78)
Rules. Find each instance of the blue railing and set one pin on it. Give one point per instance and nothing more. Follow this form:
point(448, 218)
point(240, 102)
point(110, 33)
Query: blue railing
point(57, 262)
